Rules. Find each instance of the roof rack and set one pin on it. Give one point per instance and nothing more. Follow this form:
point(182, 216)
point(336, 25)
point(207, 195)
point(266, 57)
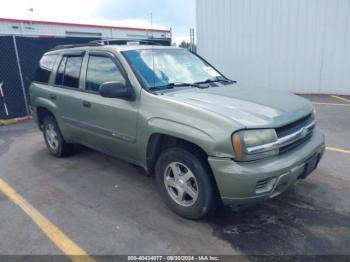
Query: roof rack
point(58, 47)
point(119, 41)
point(116, 41)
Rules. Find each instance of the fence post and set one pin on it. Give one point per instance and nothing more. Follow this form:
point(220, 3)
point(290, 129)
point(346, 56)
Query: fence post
point(2, 96)
point(20, 75)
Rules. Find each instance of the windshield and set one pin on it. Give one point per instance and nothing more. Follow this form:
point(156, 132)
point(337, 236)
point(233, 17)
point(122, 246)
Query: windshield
point(162, 67)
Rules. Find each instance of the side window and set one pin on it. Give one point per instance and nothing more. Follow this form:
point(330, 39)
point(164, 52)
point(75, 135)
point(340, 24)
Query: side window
point(101, 69)
point(72, 71)
point(69, 71)
point(60, 71)
point(44, 70)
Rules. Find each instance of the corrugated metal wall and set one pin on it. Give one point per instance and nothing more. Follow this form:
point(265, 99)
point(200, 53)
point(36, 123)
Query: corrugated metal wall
point(297, 45)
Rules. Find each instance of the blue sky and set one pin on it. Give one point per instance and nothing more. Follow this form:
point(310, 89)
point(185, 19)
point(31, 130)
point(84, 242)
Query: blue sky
point(177, 14)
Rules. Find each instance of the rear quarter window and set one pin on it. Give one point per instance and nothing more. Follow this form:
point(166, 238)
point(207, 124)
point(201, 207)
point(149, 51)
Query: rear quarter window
point(42, 74)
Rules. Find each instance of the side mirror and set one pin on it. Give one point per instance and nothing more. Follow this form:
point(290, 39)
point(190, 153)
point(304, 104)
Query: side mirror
point(116, 90)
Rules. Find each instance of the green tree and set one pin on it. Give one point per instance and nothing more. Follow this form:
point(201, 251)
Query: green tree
point(185, 44)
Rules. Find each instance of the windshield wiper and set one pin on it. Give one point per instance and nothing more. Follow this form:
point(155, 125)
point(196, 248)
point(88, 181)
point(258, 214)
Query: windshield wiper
point(216, 79)
point(172, 85)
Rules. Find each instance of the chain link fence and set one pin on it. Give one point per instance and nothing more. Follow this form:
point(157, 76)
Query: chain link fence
point(12, 102)
point(19, 57)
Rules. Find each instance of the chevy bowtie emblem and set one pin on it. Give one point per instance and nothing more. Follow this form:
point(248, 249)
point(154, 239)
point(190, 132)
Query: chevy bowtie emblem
point(304, 132)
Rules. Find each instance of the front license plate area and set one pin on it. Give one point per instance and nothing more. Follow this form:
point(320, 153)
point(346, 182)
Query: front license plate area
point(310, 165)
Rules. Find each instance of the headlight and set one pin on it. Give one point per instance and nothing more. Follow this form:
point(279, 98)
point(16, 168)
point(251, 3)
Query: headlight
point(246, 143)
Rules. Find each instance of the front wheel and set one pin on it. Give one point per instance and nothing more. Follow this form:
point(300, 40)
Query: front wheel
point(185, 183)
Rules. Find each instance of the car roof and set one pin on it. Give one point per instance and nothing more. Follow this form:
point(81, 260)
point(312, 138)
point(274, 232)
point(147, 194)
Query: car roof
point(141, 47)
point(118, 48)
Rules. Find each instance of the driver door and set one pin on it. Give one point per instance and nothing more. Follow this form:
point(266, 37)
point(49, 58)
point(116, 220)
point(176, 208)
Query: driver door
point(110, 123)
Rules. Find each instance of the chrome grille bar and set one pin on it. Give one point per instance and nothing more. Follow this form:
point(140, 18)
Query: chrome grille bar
point(283, 141)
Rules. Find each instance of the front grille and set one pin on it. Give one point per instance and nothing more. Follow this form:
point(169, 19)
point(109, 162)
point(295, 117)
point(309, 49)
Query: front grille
point(265, 185)
point(295, 144)
point(294, 127)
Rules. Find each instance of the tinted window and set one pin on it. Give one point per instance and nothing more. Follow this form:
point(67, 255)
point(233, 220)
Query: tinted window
point(60, 71)
point(100, 70)
point(44, 70)
point(72, 71)
point(69, 71)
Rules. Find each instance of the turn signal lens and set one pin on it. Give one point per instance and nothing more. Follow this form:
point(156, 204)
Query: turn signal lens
point(237, 145)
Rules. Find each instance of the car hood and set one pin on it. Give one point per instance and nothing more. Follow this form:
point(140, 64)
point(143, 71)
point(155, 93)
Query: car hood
point(248, 107)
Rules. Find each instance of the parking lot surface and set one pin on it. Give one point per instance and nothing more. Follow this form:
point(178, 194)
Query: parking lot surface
point(110, 207)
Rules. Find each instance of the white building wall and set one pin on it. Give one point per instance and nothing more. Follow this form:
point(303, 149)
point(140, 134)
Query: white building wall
point(42, 29)
point(297, 45)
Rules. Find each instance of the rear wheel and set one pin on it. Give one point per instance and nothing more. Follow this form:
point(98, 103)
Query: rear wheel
point(54, 139)
point(185, 183)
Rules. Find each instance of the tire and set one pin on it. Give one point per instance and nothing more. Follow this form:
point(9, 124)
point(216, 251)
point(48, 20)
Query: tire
point(53, 138)
point(191, 193)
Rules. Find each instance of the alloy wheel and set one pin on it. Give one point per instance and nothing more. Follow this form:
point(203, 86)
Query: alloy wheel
point(51, 137)
point(181, 184)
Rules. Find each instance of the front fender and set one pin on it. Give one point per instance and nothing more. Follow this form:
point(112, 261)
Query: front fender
point(175, 129)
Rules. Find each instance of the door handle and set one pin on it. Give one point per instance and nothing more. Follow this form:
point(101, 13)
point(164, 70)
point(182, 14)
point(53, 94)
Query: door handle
point(53, 96)
point(86, 104)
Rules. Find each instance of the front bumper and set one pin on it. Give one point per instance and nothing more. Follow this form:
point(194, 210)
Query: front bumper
point(242, 183)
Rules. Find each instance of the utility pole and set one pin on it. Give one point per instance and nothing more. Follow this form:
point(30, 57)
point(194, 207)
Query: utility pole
point(192, 40)
point(152, 25)
point(30, 18)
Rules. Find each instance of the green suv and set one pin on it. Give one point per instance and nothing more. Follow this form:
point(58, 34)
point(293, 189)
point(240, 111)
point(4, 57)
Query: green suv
point(206, 139)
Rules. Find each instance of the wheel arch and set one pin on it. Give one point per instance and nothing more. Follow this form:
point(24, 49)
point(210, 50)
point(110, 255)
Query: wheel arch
point(158, 142)
point(162, 133)
point(44, 107)
point(42, 112)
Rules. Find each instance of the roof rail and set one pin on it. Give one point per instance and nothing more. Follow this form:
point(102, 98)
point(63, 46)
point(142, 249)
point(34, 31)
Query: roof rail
point(58, 47)
point(116, 41)
point(125, 41)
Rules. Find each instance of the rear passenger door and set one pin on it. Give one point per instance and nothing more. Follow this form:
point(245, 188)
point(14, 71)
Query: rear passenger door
point(110, 123)
point(68, 95)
